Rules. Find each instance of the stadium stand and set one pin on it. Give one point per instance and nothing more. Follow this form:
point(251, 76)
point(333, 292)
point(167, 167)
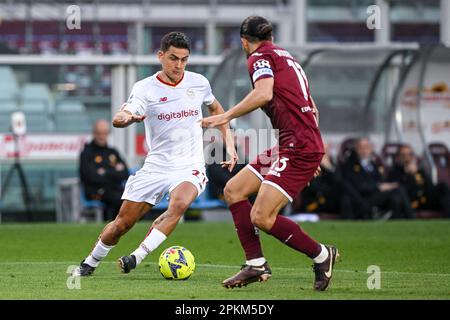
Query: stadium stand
point(9, 90)
point(37, 104)
point(71, 116)
point(71, 204)
point(388, 153)
point(441, 157)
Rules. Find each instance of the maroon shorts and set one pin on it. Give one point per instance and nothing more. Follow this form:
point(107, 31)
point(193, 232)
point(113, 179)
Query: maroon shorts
point(286, 169)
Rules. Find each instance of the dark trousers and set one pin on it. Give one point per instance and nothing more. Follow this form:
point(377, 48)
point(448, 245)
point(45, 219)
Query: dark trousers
point(438, 199)
point(352, 205)
point(395, 200)
point(355, 206)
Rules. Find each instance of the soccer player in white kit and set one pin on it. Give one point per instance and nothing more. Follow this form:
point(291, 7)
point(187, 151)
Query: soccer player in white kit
point(169, 103)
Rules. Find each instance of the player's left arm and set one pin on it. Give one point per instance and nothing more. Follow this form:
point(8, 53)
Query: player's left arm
point(258, 97)
point(216, 109)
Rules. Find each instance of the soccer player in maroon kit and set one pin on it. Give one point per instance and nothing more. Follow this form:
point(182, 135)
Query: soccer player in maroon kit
point(279, 174)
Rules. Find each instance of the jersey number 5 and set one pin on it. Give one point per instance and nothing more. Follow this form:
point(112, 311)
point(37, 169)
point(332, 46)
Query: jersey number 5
point(301, 77)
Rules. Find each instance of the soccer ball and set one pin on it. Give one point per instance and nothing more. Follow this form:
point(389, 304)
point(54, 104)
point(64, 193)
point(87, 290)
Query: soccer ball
point(176, 263)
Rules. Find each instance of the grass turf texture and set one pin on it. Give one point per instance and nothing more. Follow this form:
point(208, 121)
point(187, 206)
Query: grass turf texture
point(414, 258)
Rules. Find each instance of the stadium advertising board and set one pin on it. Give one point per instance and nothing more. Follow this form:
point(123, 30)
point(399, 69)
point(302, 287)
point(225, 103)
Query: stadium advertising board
point(43, 147)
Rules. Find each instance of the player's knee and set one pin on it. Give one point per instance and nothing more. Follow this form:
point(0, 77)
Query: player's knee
point(260, 219)
point(178, 208)
point(121, 227)
point(228, 193)
point(231, 193)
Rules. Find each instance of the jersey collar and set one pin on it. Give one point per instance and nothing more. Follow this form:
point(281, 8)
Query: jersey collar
point(263, 44)
point(168, 83)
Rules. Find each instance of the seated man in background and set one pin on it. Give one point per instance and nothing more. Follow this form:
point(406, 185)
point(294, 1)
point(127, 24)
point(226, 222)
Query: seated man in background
point(102, 171)
point(362, 172)
point(423, 195)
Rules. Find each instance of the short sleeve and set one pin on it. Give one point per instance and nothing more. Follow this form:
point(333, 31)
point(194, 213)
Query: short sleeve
point(209, 98)
point(137, 101)
point(260, 66)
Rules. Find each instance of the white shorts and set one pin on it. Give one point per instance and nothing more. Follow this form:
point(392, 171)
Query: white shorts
point(151, 187)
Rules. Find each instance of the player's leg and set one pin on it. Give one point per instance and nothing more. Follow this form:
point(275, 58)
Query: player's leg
point(130, 212)
point(237, 191)
point(244, 184)
point(270, 200)
point(285, 179)
point(264, 215)
point(181, 198)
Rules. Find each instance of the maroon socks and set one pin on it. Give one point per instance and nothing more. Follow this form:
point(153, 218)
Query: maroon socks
point(247, 233)
point(284, 229)
point(290, 233)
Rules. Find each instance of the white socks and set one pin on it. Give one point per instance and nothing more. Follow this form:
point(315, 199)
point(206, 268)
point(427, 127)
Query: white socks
point(153, 240)
point(256, 262)
point(100, 251)
point(323, 255)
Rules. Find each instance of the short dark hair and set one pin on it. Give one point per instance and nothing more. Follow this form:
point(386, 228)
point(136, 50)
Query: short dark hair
point(175, 39)
point(256, 28)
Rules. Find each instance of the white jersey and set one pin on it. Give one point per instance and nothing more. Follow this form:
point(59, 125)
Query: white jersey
point(173, 134)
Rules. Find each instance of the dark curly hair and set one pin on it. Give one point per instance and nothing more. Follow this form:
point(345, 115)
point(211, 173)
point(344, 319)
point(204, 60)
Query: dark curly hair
point(175, 39)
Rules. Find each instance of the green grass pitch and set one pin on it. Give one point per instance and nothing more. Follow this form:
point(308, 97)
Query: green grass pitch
point(414, 258)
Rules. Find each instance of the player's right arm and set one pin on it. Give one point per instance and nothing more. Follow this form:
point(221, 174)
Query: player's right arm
point(134, 109)
point(258, 97)
point(124, 118)
point(261, 73)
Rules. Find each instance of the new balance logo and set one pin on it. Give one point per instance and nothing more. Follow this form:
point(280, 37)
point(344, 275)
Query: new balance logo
point(163, 99)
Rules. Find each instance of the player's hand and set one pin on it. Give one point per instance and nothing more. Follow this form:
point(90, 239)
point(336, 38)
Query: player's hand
point(136, 118)
point(318, 172)
point(124, 118)
point(412, 168)
point(129, 118)
point(230, 164)
point(387, 186)
point(214, 121)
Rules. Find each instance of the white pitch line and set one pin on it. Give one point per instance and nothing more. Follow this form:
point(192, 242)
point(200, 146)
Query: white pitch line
point(225, 266)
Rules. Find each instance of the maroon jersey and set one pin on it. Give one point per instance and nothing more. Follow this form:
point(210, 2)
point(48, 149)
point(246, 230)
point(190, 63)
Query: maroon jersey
point(291, 109)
